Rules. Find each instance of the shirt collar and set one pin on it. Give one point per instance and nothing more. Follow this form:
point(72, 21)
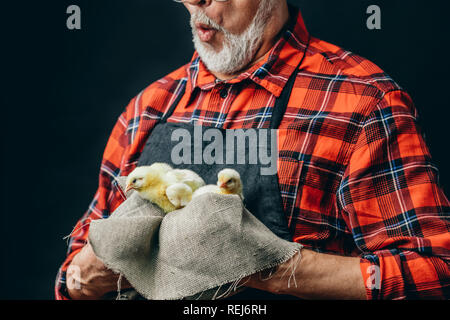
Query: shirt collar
point(272, 71)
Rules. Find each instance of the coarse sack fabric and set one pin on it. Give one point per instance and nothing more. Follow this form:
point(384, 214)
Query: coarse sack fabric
point(198, 252)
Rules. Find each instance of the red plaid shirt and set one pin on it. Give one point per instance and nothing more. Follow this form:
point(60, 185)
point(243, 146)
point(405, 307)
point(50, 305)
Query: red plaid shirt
point(355, 174)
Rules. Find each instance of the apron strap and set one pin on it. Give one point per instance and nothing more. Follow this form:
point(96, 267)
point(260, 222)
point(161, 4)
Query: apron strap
point(281, 103)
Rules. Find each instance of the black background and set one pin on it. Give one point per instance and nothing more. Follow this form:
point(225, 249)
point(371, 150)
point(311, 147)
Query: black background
point(63, 90)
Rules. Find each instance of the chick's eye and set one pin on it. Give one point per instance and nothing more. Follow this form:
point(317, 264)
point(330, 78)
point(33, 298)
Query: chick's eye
point(134, 180)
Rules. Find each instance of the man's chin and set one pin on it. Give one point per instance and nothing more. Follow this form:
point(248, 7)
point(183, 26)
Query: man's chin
point(214, 58)
point(211, 47)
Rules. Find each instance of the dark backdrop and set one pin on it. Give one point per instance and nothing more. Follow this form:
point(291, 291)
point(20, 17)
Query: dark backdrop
point(62, 92)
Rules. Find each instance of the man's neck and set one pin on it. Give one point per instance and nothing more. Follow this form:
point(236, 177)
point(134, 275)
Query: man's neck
point(271, 34)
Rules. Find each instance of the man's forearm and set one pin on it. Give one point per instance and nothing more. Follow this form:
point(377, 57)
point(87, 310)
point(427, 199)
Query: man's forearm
point(317, 276)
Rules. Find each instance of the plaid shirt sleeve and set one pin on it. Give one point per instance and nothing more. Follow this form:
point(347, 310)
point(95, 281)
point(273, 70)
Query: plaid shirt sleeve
point(107, 196)
point(398, 215)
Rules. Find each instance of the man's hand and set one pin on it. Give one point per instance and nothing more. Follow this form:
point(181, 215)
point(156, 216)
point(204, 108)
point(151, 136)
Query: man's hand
point(89, 279)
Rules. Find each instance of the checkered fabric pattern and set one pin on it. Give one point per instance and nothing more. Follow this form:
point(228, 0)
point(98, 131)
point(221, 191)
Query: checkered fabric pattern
point(355, 174)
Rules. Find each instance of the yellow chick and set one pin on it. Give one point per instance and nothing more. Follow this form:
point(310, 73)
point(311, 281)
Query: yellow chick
point(179, 194)
point(228, 182)
point(182, 184)
point(161, 166)
point(168, 188)
point(210, 188)
point(150, 184)
point(189, 177)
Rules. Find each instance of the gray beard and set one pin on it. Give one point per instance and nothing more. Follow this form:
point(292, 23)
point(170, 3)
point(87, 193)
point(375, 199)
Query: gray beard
point(238, 50)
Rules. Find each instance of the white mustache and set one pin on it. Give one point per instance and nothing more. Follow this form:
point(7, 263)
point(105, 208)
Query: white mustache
point(201, 17)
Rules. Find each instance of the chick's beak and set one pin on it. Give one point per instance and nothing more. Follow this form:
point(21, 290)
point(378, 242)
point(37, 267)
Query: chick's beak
point(129, 187)
point(222, 184)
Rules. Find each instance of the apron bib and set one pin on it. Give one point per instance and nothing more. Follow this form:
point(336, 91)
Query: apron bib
point(261, 192)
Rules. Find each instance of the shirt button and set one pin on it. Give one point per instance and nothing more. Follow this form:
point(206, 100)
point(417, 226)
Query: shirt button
point(223, 93)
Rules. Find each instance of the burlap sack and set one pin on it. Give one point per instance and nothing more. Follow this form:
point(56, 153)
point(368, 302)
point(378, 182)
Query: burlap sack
point(200, 251)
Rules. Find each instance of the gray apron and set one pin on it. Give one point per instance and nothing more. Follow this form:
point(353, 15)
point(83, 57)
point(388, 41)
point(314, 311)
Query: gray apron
point(261, 192)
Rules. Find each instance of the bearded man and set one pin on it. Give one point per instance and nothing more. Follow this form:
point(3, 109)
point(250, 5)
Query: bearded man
point(356, 180)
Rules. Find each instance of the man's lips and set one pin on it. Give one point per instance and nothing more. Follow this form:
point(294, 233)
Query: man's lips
point(205, 32)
